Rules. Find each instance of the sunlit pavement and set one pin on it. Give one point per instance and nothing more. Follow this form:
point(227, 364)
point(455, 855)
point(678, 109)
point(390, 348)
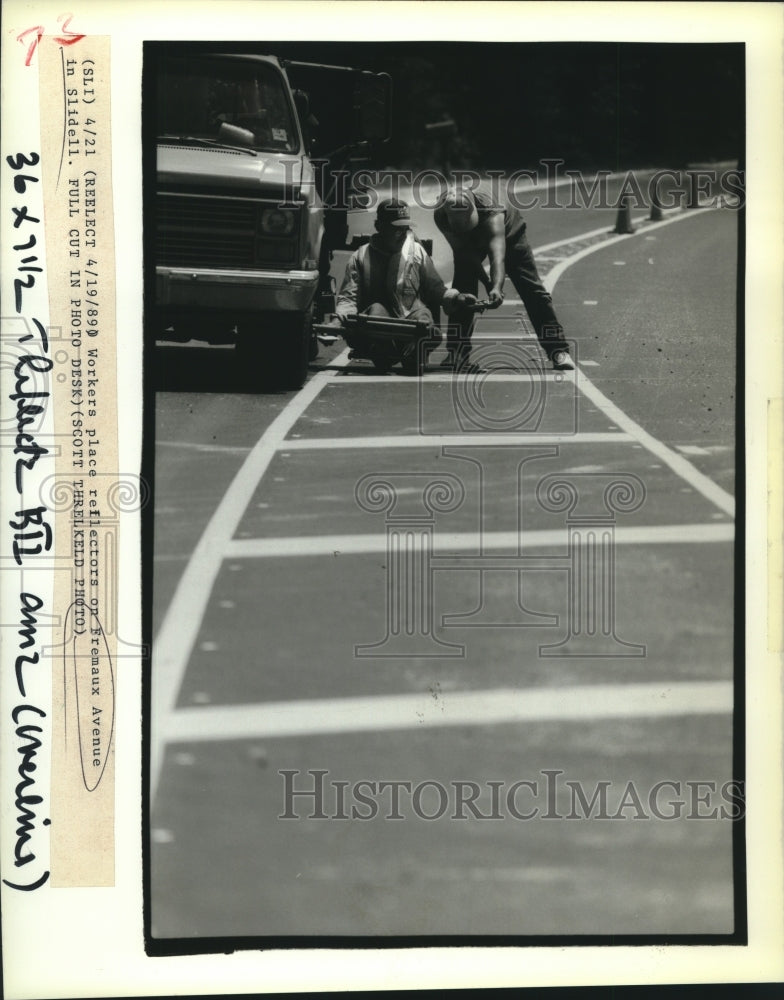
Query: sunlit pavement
point(289, 645)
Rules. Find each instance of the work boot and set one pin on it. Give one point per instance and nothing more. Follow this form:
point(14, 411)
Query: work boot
point(463, 363)
point(455, 352)
point(562, 362)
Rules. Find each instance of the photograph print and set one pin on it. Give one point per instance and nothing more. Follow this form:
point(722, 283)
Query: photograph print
point(444, 421)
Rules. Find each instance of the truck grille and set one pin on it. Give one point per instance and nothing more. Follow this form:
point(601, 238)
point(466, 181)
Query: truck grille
point(198, 232)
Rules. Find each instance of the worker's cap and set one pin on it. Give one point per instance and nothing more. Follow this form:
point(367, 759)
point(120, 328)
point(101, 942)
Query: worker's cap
point(392, 212)
point(461, 210)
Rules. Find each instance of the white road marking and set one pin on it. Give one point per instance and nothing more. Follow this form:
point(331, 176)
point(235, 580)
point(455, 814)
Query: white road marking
point(180, 627)
point(590, 364)
point(437, 440)
point(471, 541)
point(307, 717)
point(462, 873)
point(182, 622)
point(692, 449)
point(556, 272)
point(591, 302)
point(679, 465)
point(357, 376)
point(504, 335)
point(190, 446)
point(601, 231)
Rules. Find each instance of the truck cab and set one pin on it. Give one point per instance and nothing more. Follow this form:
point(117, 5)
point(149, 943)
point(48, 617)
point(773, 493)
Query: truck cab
point(240, 245)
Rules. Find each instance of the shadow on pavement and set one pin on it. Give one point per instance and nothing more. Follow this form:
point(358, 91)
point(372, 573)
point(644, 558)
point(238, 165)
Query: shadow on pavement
point(188, 368)
point(192, 368)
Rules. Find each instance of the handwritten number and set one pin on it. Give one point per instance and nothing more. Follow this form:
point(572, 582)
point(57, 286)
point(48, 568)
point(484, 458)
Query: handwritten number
point(26, 246)
point(20, 160)
point(68, 37)
point(38, 30)
point(20, 182)
point(18, 286)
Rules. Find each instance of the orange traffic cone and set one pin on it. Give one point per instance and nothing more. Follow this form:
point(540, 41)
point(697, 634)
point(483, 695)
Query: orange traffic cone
point(623, 224)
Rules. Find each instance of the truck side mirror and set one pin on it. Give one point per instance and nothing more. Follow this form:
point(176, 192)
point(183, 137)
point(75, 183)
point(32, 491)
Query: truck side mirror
point(302, 104)
point(372, 106)
point(307, 119)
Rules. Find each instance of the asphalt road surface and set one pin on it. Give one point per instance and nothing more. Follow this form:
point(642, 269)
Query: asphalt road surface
point(488, 598)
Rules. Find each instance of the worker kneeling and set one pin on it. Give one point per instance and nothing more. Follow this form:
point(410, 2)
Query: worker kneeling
point(393, 275)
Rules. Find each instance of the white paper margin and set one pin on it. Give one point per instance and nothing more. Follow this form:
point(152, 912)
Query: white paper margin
point(89, 942)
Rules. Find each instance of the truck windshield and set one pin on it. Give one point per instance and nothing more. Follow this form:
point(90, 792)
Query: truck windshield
point(196, 96)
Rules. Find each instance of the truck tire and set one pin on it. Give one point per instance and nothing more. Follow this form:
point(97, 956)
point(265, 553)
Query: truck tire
point(273, 351)
point(293, 339)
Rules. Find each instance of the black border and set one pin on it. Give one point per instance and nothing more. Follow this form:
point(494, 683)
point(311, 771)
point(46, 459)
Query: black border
point(155, 947)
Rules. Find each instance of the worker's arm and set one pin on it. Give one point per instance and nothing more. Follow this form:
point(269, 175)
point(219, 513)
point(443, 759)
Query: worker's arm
point(463, 249)
point(346, 304)
point(497, 253)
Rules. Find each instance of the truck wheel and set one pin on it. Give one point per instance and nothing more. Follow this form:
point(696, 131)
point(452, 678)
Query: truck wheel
point(294, 338)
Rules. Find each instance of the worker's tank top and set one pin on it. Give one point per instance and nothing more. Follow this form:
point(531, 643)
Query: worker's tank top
point(486, 205)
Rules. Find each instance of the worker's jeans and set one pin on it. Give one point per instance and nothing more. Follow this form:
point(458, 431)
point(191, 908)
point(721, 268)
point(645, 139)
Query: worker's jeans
point(521, 271)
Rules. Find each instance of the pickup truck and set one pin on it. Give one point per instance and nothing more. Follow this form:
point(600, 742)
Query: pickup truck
point(244, 228)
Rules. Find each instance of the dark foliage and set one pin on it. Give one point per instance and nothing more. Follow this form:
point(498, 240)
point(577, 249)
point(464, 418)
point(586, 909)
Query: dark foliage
point(593, 105)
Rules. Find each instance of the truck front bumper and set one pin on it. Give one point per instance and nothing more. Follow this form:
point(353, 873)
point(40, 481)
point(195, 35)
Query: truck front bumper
point(235, 291)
